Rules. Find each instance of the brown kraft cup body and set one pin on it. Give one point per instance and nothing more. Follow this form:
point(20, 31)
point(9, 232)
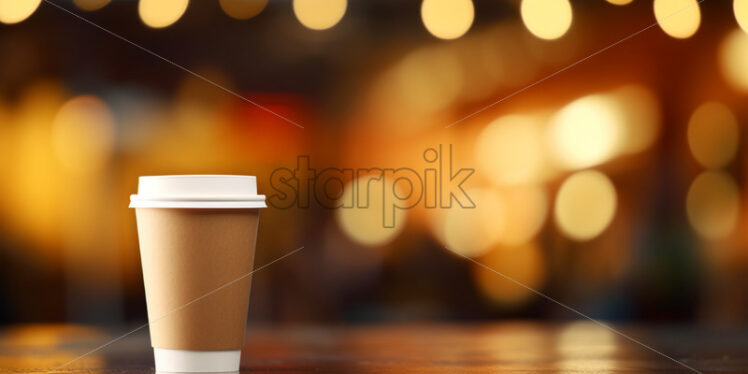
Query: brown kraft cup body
point(196, 270)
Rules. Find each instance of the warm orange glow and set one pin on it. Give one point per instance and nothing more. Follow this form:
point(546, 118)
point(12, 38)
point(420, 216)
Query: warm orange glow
point(713, 134)
point(524, 264)
point(447, 19)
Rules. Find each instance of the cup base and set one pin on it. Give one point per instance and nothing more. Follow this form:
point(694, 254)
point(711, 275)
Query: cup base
point(184, 361)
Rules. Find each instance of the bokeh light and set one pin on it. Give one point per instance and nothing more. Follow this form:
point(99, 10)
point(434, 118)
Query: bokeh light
point(91, 5)
point(586, 132)
point(14, 11)
point(319, 15)
point(526, 208)
point(243, 9)
point(678, 18)
point(641, 117)
point(713, 204)
point(511, 150)
point(740, 7)
point(585, 205)
point(83, 134)
point(713, 134)
point(472, 231)
point(447, 19)
point(365, 223)
point(524, 264)
point(161, 13)
point(734, 59)
point(427, 79)
point(546, 19)
point(620, 2)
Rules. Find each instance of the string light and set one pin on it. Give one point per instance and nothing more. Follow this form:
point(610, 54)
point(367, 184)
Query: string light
point(678, 18)
point(546, 19)
point(741, 13)
point(319, 15)
point(161, 13)
point(447, 19)
point(14, 11)
point(243, 9)
point(91, 5)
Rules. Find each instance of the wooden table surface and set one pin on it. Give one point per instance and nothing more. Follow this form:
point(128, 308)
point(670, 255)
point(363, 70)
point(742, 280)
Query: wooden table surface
point(511, 347)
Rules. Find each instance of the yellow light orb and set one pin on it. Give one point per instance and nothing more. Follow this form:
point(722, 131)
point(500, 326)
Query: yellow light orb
point(713, 135)
point(91, 5)
point(734, 59)
point(510, 150)
point(243, 9)
point(741, 13)
point(546, 19)
point(472, 231)
point(620, 2)
point(447, 19)
point(525, 264)
point(319, 14)
point(366, 223)
point(14, 11)
point(586, 132)
point(161, 13)
point(713, 204)
point(678, 18)
point(585, 205)
point(641, 117)
point(83, 134)
point(527, 208)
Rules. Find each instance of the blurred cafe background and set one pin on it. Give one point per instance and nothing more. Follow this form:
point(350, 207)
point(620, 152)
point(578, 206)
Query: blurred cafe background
point(608, 139)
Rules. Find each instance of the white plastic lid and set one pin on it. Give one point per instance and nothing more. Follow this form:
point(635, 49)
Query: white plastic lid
point(182, 361)
point(197, 191)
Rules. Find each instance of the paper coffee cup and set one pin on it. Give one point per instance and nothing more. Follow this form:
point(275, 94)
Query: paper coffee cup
point(197, 237)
